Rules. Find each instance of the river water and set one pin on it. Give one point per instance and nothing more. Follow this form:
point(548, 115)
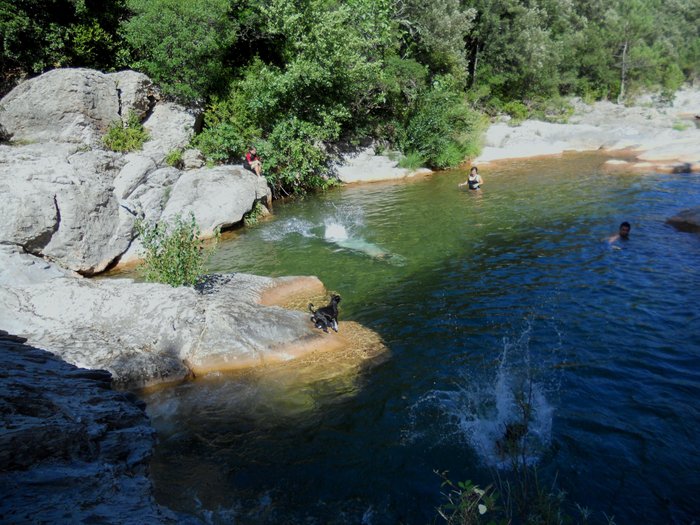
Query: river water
point(478, 296)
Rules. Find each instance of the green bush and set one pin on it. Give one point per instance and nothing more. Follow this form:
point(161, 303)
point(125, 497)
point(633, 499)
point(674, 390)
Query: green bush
point(293, 157)
point(174, 253)
point(411, 161)
point(442, 128)
point(517, 110)
point(125, 138)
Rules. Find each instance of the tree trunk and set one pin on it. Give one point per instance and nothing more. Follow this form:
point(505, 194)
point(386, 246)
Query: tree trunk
point(623, 73)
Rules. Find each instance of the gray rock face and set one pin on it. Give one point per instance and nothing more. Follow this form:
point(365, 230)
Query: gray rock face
point(59, 203)
point(136, 93)
point(71, 449)
point(146, 333)
point(170, 127)
point(192, 159)
point(218, 197)
point(63, 105)
point(653, 131)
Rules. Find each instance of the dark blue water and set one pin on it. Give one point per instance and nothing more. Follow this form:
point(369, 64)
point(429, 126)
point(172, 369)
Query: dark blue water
point(478, 297)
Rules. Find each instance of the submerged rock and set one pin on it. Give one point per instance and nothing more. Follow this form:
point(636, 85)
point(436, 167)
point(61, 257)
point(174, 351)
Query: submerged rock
point(687, 220)
point(72, 450)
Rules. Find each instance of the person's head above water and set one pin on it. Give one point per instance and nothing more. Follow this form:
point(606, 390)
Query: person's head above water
point(625, 230)
point(474, 171)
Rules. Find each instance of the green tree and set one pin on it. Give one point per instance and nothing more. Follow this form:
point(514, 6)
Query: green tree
point(181, 44)
point(37, 35)
point(435, 32)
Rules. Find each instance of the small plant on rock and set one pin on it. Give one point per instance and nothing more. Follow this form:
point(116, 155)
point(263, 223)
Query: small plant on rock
point(125, 138)
point(174, 158)
point(253, 216)
point(174, 253)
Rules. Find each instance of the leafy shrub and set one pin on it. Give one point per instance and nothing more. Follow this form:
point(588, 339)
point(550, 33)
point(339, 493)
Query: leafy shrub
point(293, 157)
point(442, 128)
point(466, 502)
point(174, 253)
point(411, 161)
point(516, 109)
point(174, 158)
point(125, 138)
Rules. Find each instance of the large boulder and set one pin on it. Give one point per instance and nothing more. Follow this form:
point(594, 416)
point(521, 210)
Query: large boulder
point(218, 197)
point(63, 105)
point(72, 450)
point(147, 333)
point(59, 203)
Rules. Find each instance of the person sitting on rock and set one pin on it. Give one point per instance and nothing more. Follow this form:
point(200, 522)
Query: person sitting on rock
point(252, 161)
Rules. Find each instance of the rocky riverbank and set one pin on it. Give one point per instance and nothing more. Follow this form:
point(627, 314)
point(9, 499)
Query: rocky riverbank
point(73, 449)
point(651, 136)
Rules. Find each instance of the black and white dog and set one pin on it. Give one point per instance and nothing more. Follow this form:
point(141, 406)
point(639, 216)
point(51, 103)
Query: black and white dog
point(326, 316)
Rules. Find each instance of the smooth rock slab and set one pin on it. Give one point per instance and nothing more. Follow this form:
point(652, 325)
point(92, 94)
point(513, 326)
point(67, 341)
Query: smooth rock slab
point(59, 203)
point(62, 105)
point(148, 333)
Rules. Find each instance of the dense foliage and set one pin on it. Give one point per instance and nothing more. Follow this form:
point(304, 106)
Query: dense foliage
point(174, 254)
point(298, 77)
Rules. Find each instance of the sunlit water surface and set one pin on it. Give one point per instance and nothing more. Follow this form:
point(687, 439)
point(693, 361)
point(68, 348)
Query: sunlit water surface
point(477, 295)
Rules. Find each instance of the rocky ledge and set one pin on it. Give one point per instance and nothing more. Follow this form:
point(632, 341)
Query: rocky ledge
point(68, 199)
point(145, 333)
point(72, 450)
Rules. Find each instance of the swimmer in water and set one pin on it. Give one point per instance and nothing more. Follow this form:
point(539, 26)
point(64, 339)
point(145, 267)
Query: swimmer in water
point(623, 233)
point(474, 181)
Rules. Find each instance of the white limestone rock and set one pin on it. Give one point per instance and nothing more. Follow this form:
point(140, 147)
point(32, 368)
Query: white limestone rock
point(62, 105)
point(136, 93)
point(170, 127)
point(60, 205)
point(218, 197)
point(365, 166)
point(146, 333)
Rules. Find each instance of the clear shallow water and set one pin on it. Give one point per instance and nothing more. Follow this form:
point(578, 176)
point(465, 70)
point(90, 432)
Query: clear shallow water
point(475, 295)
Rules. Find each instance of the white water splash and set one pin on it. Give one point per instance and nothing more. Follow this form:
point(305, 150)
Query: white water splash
point(279, 230)
point(481, 409)
point(335, 232)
